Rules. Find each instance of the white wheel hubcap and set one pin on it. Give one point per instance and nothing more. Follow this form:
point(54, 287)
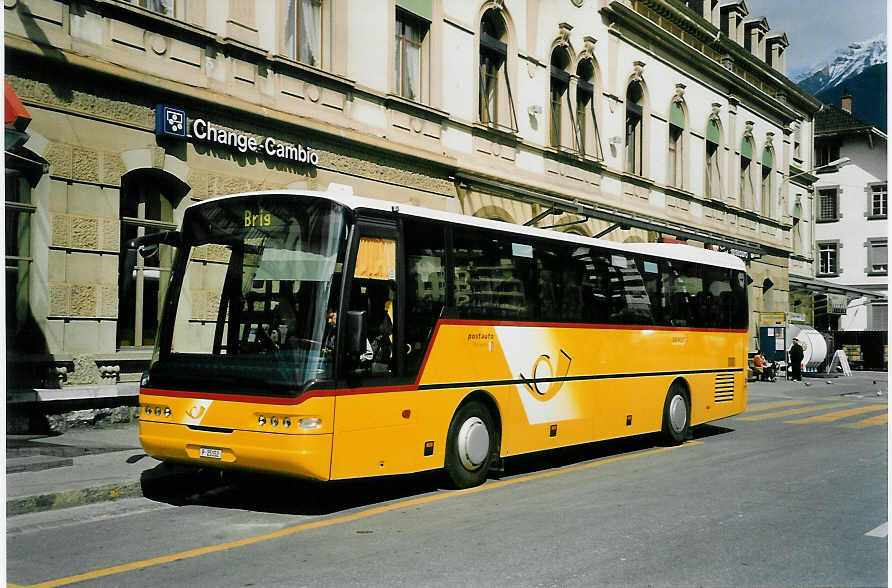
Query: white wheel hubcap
point(678, 413)
point(473, 443)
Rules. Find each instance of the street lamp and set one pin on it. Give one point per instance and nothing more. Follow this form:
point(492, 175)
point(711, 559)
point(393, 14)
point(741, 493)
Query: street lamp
point(780, 190)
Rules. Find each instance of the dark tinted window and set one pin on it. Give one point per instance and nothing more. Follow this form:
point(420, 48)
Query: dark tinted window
point(425, 287)
point(682, 290)
point(560, 283)
point(494, 276)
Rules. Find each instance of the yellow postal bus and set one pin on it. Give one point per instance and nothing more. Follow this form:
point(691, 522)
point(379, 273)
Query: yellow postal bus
point(330, 336)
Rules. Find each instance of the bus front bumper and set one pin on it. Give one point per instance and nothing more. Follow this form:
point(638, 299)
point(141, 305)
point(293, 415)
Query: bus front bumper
point(305, 456)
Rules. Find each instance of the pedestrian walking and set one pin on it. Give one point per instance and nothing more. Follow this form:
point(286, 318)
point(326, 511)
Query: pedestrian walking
point(796, 355)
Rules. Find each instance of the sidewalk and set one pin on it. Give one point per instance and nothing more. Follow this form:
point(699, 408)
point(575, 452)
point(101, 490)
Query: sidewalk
point(79, 467)
point(84, 466)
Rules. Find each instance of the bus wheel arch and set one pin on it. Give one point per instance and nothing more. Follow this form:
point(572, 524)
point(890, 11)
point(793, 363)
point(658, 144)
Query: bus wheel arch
point(677, 412)
point(472, 440)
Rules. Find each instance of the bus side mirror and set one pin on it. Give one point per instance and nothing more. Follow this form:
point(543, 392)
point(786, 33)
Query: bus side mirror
point(356, 333)
point(147, 245)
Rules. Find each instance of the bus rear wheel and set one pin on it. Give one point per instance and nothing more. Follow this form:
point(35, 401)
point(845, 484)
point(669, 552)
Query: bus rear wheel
point(676, 415)
point(470, 445)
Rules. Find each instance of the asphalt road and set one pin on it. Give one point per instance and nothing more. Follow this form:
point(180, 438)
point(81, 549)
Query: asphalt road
point(771, 497)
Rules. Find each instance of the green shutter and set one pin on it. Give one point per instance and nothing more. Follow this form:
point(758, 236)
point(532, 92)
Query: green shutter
point(420, 8)
point(712, 132)
point(797, 211)
point(746, 149)
point(676, 115)
point(766, 158)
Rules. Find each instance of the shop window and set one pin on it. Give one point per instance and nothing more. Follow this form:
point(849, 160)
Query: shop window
point(828, 205)
point(496, 107)
point(410, 55)
point(18, 255)
point(304, 31)
point(142, 282)
point(634, 129)
point(828, 258)
point(165, 7)
point(425, 287)
point(877, 257)
point(878, 201)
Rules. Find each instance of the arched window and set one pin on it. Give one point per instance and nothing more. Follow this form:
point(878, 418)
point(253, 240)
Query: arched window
point(767, 200)
point(675, 154)
point(634, 129)
point(560, 89)
point(713, 174)
point(589, 141)
point(142, 281)
point(496, 103)
point(746, 176)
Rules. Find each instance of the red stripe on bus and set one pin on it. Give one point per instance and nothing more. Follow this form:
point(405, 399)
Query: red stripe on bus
point(325, 393)
point(485, 323)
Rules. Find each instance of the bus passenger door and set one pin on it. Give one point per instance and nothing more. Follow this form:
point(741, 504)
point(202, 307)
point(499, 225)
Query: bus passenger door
point(370, 415)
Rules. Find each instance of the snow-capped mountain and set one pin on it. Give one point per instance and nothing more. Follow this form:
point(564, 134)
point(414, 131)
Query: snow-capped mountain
point(843, 64)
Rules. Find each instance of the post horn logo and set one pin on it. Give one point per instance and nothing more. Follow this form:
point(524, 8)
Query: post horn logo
point(195, 411)
point(547, 381)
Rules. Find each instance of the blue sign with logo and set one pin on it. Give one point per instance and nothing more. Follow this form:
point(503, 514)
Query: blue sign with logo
point(170, 121)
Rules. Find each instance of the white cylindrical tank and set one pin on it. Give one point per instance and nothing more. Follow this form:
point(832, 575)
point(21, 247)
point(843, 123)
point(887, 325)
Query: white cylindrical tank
point(814, 347)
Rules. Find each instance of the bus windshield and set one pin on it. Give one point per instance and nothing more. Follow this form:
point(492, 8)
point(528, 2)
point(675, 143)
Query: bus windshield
point(253, 300)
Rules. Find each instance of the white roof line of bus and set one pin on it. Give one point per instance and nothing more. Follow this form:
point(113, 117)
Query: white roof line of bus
point(677, 251)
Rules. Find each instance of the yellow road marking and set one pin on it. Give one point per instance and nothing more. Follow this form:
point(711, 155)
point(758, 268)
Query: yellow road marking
point(767, 405)
point(874, 420)
point(835, 416)
point(792, 411)
point(145, 563)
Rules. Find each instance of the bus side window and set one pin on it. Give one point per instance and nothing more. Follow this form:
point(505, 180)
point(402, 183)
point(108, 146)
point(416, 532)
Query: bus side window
point(717, 297)
point(425, 287)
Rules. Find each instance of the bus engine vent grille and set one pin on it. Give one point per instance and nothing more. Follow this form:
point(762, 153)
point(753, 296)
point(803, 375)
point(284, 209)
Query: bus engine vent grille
point(724, 387)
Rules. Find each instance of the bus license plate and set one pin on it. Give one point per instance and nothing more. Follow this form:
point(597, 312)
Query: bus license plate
point(210, 452)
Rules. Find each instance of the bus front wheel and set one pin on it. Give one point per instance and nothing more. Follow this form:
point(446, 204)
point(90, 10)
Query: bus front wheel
point(470, 445)
point(676, 415)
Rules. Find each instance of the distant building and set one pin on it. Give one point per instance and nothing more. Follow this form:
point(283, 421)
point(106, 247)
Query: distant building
point(851, 216)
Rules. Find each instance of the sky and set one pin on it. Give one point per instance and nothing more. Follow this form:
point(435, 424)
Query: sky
point(816, 28)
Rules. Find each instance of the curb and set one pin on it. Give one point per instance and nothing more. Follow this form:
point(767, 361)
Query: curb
point(70, 498)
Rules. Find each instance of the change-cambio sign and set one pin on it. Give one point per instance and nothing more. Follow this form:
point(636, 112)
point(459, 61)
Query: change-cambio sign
point(173, 122)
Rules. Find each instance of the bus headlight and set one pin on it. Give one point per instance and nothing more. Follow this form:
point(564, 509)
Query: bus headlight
point(148, 410)
point(167, 411)
point(309, 423)
point(286, 422)
point(261, 420)
point(274, 421)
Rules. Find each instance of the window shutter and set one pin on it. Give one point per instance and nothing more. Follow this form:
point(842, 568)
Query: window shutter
point(746, 149)
point(420, 8)
point(712, 132)
point(766, 158)
point(676, 115)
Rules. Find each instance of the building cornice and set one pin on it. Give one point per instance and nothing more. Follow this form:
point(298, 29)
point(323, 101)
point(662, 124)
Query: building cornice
point(710, 37)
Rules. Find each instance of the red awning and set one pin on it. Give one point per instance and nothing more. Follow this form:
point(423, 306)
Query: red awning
point(16, 115)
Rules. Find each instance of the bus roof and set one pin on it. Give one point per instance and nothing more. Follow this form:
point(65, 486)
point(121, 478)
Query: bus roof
point(678, 251)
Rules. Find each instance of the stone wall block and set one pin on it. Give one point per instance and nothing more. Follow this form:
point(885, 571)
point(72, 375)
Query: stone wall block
point(59, 299)
point(61, 236)
point(59, 155)
point(108, 301)
point(85, 371)
point(85, 164)
point(199, 183)
point(84, 299)
point(110, 234)
point(84, 232)
point(113, 169)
